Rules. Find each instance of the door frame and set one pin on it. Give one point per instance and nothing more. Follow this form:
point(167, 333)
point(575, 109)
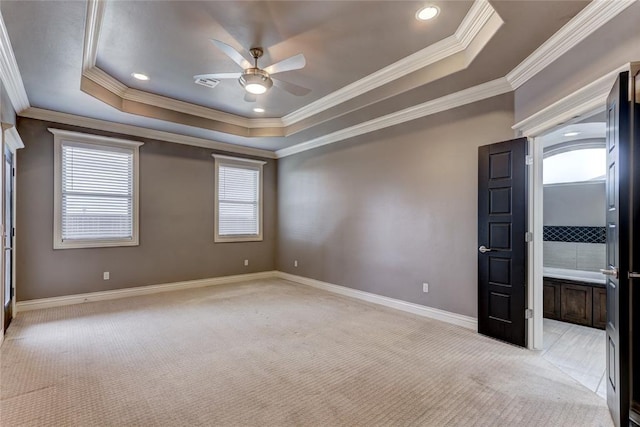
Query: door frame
point(585, 102)
point(11, 140)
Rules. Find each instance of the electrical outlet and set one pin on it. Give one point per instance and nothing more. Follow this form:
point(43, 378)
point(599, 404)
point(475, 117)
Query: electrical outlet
point(425, 287)
point(295, 263)
point(105, 275)
point(246, 262)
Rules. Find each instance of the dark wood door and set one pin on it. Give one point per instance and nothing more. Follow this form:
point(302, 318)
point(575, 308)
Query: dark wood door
point(634, 309)
point(618, 223)
point(502, 218)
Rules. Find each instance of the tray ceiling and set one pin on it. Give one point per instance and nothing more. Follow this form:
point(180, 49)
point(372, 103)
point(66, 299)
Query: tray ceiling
point(365, 59)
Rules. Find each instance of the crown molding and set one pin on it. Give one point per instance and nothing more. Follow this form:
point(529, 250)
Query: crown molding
point(93, 22)
point(103, 125)
point(12, 138)
point(457, 99)
point(588, 99)
point(10, 73)
point(586, 22)
point(477, 17)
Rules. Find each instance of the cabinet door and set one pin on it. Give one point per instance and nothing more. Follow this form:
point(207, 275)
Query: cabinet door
point(551, 297)
point(576, 302)
point(600, 308)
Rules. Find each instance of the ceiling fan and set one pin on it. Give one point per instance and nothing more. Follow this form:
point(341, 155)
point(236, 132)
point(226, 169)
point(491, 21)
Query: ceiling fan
point(256, 80)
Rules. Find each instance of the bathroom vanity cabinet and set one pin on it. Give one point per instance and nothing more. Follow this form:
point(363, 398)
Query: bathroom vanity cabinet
point(576, 302)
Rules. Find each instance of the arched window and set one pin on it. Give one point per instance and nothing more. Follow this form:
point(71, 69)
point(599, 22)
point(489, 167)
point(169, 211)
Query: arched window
point(575, 165)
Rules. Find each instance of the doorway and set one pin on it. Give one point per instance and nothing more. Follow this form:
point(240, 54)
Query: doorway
point(8, 233)
point(574, 251)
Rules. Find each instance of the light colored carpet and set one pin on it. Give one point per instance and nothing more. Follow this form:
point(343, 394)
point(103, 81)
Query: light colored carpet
point(272, 353)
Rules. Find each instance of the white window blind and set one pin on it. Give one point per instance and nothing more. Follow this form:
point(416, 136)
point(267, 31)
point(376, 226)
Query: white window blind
point(97, 192)
point(238, 204)
point(95, 201)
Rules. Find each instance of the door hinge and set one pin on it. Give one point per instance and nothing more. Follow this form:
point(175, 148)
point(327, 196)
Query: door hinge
point(528, 313)
point(528, 160)
point(528, 236)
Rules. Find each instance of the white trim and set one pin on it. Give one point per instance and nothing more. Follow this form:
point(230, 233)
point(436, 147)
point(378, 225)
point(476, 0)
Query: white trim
point(94, 139)
point(12, 139)
point(106, 81)
point(61, 137)
point(93, 22)
point(43, 303)
point(86, 122)
point(457, 99)
point(421, 310)
point(238, 159)
point(588, 99)
point(534, 269)
point(10, 73)
point(475, 20)
point(197, 110)
point(586, 22)
point(255, 165)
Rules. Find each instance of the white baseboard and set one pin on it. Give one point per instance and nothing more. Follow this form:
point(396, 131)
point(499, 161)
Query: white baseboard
point(421, 310)
point(38, 304)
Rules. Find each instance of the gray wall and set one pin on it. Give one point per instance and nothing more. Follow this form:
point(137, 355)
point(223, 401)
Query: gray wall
point(7, 113)
point(613, 45)
point(390, 210)
point(575, 204)
point(176, 224)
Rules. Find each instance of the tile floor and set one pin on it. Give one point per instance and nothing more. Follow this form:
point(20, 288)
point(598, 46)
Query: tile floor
point(579, 351)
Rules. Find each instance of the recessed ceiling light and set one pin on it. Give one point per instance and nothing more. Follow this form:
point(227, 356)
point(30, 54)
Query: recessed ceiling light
point(427, 12)
point(258, 110)
point(572, 134)
point(140, 76)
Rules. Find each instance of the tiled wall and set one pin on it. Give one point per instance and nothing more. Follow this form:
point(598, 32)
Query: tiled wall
point(575, 256)
point(576, 248)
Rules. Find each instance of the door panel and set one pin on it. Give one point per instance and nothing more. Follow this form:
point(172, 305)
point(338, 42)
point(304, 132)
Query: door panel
point(501, 229)
point(634, 309)
point(618, 228)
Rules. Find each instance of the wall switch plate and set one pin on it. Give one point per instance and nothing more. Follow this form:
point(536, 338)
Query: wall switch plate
point(425, 287)
point(105, 275)
point(295, 263)
point(246, 262)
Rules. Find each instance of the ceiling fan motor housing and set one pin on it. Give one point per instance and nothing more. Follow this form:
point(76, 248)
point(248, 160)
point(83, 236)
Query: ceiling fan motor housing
point(255, 76)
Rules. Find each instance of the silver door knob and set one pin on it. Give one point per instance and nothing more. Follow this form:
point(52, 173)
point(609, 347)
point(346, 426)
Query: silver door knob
point(612, 272)
point(483, 249)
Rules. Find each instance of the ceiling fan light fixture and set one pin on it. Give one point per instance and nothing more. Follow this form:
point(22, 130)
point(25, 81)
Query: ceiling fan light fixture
point(427, 12)
point(255, 81)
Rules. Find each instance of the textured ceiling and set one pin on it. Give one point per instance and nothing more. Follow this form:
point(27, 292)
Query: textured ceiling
point(342, 40)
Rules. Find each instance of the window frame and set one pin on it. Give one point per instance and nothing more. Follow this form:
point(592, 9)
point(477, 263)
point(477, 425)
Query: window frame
point(65, 137)
point(257, 165)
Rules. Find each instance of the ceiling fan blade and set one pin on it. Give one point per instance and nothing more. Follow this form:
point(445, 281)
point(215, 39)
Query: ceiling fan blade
point(232, 53)
point(293, 89)
point(218, 76)
point(293, 63)
point(249, 97)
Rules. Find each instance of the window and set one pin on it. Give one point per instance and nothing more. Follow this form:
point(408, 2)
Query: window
point(238, 199)
point(96, 191)
point(576, 165)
